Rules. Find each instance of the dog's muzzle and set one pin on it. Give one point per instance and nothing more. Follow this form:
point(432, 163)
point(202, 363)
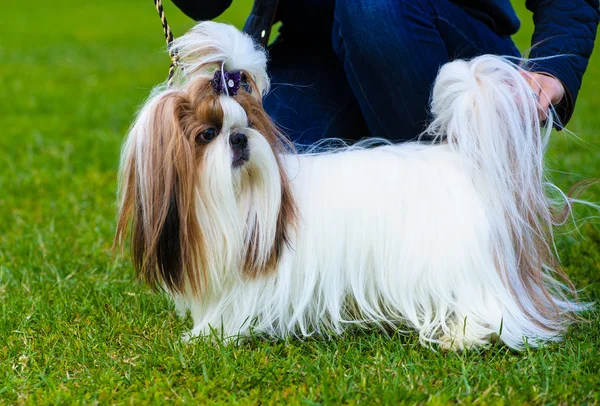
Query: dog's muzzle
point(239, 146)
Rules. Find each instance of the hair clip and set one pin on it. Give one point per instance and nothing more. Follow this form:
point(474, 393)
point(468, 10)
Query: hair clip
point(226, 82)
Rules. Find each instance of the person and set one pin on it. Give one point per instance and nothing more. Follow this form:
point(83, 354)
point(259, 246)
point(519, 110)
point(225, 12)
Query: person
point(355, 68)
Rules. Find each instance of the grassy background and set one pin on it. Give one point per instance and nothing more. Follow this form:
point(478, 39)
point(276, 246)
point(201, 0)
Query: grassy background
point(75, 325)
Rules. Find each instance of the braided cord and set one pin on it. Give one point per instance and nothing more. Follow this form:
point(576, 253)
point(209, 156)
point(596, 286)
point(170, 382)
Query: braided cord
point(169, 38)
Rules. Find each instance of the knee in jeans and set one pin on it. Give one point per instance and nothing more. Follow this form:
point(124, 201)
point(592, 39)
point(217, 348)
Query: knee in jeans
point(362, 14)
point(369, 13)
point(367, 22)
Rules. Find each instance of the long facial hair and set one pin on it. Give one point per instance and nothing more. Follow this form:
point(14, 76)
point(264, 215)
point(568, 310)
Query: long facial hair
point(194, 217)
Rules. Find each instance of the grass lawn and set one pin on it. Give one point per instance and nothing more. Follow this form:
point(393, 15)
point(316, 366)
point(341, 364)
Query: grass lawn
point(75, 324)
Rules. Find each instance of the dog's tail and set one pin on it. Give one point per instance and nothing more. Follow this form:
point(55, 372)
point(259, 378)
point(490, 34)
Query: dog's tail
point(487, 112)
point(209, 46)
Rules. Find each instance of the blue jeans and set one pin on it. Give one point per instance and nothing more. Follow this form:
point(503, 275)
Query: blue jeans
point(373, 77)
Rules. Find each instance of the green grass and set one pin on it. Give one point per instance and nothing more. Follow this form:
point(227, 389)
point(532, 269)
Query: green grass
point(75, 325)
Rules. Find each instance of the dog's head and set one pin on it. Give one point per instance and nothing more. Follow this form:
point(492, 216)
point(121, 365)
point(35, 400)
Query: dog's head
point(201, 179)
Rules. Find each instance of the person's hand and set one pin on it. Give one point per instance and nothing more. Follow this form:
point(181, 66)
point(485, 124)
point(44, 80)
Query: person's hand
point(548, 89)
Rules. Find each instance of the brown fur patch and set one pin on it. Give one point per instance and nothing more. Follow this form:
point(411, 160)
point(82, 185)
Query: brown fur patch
point(167, 243)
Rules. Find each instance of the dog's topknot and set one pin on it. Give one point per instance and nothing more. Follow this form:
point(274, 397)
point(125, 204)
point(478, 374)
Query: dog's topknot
point(209, 46)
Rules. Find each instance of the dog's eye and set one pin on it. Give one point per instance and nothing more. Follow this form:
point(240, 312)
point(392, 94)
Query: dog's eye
point(207, 135)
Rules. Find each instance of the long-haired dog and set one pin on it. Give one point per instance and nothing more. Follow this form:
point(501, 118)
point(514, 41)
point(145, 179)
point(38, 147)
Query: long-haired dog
point(452, 238)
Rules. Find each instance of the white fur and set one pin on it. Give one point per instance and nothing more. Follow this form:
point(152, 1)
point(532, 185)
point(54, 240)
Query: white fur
point(396, 236)
point(417, 235)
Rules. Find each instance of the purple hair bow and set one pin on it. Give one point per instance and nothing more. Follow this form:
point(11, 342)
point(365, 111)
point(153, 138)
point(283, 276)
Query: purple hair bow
point(226, 82)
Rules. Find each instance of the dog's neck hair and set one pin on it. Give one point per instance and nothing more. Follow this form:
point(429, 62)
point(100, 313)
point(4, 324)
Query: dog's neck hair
point(239, 209)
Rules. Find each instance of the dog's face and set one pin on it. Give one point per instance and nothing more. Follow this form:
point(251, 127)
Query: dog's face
point(203, 188)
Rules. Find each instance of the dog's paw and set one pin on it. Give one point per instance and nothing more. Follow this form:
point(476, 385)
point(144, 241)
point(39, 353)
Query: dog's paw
point(450, 342)
point(460, 341)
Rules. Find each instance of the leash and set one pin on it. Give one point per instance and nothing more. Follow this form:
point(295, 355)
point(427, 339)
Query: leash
point(169, 38)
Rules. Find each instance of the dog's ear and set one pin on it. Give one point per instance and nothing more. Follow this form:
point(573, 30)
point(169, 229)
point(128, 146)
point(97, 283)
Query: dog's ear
point(157, 176)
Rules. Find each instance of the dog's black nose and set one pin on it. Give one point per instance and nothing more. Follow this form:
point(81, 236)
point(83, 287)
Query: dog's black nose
point(238, 140)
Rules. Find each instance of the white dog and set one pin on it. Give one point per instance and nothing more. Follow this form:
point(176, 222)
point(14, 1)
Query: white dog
point(452, 239)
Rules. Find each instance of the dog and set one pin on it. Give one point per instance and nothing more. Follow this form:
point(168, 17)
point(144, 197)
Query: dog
point(452, 239)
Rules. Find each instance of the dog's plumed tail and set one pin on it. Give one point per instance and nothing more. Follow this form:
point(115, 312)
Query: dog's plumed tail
point(209, 46)
point(487, 112)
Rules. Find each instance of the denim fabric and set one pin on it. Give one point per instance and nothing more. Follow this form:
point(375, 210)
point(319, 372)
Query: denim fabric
point(310, 97)
point(373, 76)
point(562, 27)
